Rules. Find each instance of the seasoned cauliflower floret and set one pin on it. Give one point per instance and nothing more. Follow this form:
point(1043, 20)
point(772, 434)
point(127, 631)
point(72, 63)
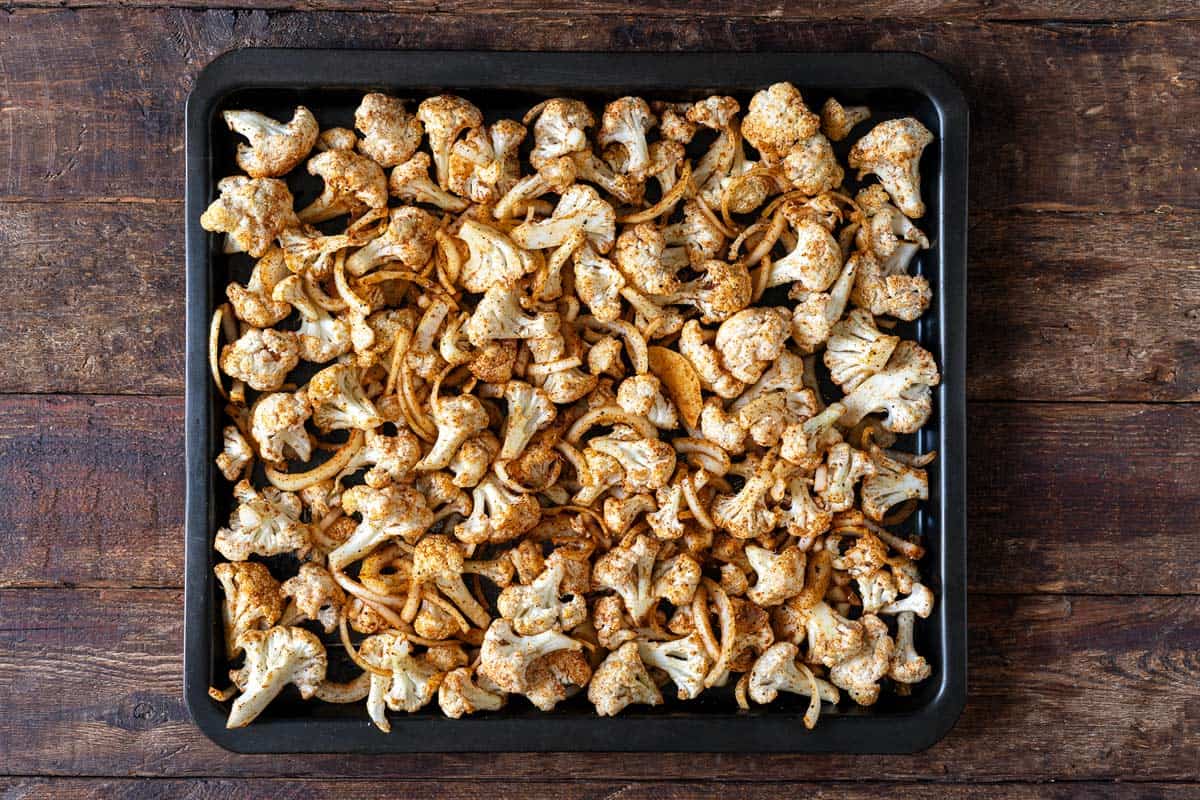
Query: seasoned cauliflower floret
point(274, 149)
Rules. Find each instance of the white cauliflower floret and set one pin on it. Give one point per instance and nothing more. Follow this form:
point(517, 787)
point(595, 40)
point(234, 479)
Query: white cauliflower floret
point(816, 312)
point(412, 681)
point(475, 168)
point(390, 133)
point(804, 516)
point(391, 512)
point(624, 124)
point(457, 419)
point(235, 453)
point(252, 600)
point(408, 239)
point(604, 472)
point(621, 681)
point(556, 175)
point(844, 467)
point(338, 401)
point(812, 167)
point(696, 233)
point(780, 575)
point(353, 185)
point(751, 340)
point(505, 656)
point(555, 677)
point(437, 559)
point(722, 428)
point(598, 284)
point(253, 302)
point(891, 483)
point(704, 360)
point(776, 671)
point(252, 212)
point(805, 443)
point(785, 377)
point(540, 606)
point(886, 233)
point(275, 149)
point(473, 458)
point(264, 523)
point(907, 666)
point(837, 120)
point(493, 259)
point(499, 316)
point(814, 263)
point(275, 658)
point(831, 637)
point(337, 139)
point(315, 595)
point(391, 458)
point(902, 389)
point(892, 151)
point(777, 120)
point(859, 674)
point(498, 514)
point(458, 695)
point(685, 661)
point(579, 207)
point(642, 395)
point(410, 182)
point(721, 291)
point(856, 350)
point(676, 579)
point(277, 425)
point(620, 512)
point(628, 570)
point(446, 117)
point(919, 601)
point(902, 296)
point(746, 515)
point(529, 411)
point(560, 129)
point(322, 336)
point(648, 463)
point(639, 254)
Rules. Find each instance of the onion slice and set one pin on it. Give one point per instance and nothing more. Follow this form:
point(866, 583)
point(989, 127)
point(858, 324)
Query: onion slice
point(295, 481)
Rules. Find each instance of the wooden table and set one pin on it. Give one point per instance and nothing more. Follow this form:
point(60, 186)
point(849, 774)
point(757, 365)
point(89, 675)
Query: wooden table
point(1083, 376)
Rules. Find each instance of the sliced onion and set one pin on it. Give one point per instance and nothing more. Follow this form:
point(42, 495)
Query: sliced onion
point(610, 415)
point(666, 204)
point(295, 481)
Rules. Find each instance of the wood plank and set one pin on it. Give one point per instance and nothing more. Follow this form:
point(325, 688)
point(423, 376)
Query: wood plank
point(1064, 116)
point(860, 9)
point(483, 789)
point(1061, 306)
point(1063, 498)
point(97, 692)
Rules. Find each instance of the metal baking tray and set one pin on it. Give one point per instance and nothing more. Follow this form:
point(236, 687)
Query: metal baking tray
point(330, 83)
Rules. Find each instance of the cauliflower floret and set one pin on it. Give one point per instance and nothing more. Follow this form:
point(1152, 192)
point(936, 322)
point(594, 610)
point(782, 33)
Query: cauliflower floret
point(556, 175)
point(676, 579)
point(390, 134)
point(919, 601)
point(844, 467)
point(837, 120)
point(439, 560)
point(704, 360)
point(598, 284)
point(746, 515)
point(337, 139)
point(745, 633)
point(555, 677)
point(275, 658)
point(410, 686)
point(907, 665)
point(315, 595)
point(684, 660)
point(264, 523)
point(784, 378)
point(591, 168)
point(529, 411)
point(446, 117)
point(902, 389)
point(457, 419)
point(812, 167)
point(410, 182)
point(777, 120)
point(353, 185)
point(252, 212)
point(892, 151)
point(235, 453)
point(648, 463)
point(393, 511)
point(780, 575)
point(816, 312)
point(252, 600)
point(892, 482)
point(776, 671)
point(621, 681)
point(805, 517)
point(391, 458)
point(277, 425)
point(275, 149)
point(886, 233)
point(902, 296)
point(579, 207)
point(539, 606)
point(620, 512)
point(458, 695)
point(560, 129)
point(856, 350)
point(723, 429)
point(564, 384)
point(253, 303)
point(639, 254)
point(625, 123)
point(814, 262)
point(475, 166)
point(473, 458)
point(859, 674)
point(322, 336)
point(831, 637)
point(697, 233)
point(408, 238)
point(497, 514)
point(751, 340)
point(604, 472)
point(642, 395)
point(506, 656)
point(338, 401)
point(628, 570)
point(499, 316)
point(720, 292)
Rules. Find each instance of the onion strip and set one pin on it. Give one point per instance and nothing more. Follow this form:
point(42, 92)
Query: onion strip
point(609, 415)
point(666, 204)
point(295, 481)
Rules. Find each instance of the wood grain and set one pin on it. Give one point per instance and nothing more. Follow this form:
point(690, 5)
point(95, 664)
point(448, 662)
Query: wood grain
point(1063, 498)
point(1114, 10)
point(100, 691)
point(1075, 116)
point(317, 789)
point(1061, 306)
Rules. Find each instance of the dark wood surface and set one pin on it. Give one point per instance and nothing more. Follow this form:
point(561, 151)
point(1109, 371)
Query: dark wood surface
point(1084, 371)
